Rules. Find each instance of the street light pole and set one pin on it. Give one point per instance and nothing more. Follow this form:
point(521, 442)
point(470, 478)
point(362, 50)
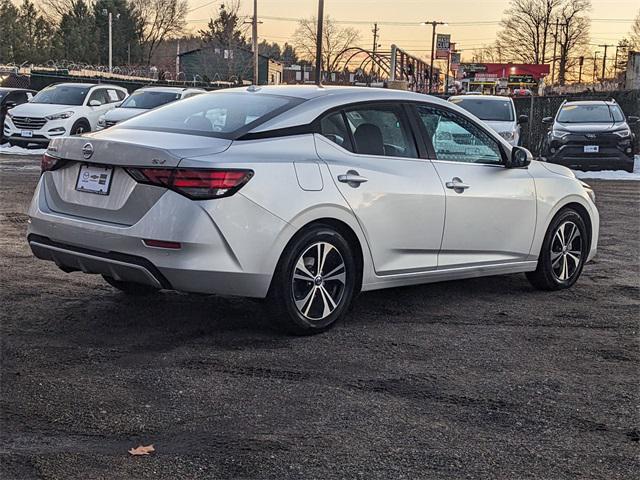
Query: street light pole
point(319, 42)
point(433, 43)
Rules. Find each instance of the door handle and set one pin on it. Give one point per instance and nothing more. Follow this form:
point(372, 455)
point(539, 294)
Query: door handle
point(457, 185)
point(352, 178)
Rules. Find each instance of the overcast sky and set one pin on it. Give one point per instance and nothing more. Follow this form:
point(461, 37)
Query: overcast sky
point(472, 23)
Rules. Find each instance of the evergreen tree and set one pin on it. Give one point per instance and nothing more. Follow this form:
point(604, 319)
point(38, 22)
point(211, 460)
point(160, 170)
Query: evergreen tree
point(8, 30)
point(77, 38)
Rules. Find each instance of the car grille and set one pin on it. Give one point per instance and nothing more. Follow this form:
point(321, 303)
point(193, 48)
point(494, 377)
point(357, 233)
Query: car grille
point(29, 123)
point(109, 123)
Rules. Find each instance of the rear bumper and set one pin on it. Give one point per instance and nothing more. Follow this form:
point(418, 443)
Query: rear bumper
point(112, 264)
point(216, 256)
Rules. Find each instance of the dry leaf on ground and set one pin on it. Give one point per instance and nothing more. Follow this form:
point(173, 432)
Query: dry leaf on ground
point(142, 450)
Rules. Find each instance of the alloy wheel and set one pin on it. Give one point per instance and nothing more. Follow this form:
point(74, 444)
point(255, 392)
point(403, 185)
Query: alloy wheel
point(566, 251)
point(319, 280)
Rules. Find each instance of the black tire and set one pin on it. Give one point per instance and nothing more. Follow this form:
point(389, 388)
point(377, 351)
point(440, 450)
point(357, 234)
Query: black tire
point(130, 288)
point(320, 303)
point(80, 127)
point(563, 270)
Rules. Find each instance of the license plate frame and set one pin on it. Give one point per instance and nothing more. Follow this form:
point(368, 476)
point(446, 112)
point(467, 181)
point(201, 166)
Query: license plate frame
point(591, 149)
point(26, 133)
point(97, 186)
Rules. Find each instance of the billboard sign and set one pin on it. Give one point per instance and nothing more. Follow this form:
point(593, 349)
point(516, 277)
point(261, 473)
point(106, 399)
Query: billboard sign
point(443, 45)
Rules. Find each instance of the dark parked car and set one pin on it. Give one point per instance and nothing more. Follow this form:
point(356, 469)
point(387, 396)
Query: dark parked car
point(9, 98)
point(590, 135)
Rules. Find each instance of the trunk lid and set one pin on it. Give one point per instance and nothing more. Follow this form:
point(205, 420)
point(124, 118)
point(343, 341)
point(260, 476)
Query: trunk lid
point(127, 201)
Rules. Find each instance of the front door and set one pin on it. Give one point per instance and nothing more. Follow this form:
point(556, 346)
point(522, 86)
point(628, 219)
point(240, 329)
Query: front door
point(491, 209)
point(397, 197)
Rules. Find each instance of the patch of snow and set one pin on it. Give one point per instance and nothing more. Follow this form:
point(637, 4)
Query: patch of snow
point(612, 174)
point(15, 150)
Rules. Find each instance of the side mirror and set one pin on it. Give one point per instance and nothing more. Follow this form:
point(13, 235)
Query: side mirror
point(95, 103)
point(523, 119)
point(520, 158)
point(633, 120)
point(547, 120)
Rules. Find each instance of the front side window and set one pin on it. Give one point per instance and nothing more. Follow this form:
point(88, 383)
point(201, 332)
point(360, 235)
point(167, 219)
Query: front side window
point(380, 130)
point(62, 95)
point(98, 94)
point(219, 114)
point(455, 138)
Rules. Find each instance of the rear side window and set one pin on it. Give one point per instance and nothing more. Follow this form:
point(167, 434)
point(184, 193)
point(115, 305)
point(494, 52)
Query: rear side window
point(219, 114)
point(380, 130)
point(333, 127)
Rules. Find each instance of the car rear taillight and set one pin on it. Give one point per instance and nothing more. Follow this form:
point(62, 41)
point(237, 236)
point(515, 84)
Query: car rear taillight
point(194, 183)
point(48, 163)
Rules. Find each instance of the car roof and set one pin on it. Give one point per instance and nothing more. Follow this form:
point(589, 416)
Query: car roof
point(592, 102)
point(318, 100)
point(475, 98)
point(162, 89)
point(12, 89)
point(80, 84)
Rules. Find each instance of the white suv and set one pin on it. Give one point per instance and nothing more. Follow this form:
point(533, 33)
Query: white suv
point(58, 110)
point(499, 113)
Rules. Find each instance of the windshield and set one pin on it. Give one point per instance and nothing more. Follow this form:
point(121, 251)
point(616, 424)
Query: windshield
point(491, 110)
point(219, 114)
point(601, 113)
point(62, 95)
point(149, 99)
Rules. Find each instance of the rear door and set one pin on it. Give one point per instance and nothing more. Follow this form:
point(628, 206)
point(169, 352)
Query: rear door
point(396, 196)
point(491, 209)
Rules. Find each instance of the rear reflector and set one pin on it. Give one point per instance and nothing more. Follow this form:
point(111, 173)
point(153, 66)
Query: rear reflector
point(162, 244)
point(194, 183)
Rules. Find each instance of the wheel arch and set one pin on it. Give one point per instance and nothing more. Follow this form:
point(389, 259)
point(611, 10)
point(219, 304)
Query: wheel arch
point(84, 120)
point(578, 204)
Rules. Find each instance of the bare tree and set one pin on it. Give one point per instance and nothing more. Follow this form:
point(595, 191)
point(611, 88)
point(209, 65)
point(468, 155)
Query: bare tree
point(635, 34)
point(335, 39)
point(160, 20)
point(488, 54)
point(526, 29)
point(573, 34)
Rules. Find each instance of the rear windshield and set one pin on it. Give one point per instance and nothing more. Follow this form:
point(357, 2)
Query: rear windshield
point(62, 95)
point(149, 100)
point(219, 114)
point(590, 114)
point(491, 110)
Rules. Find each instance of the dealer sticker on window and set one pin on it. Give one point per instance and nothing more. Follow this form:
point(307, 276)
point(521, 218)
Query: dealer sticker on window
point(94, 179)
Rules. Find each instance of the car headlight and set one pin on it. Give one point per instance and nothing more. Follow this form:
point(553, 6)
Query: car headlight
point(58, 116)
point(507, 135)
point(589, 190)
point(559, 133)
point(101, 121)
point(624, 133)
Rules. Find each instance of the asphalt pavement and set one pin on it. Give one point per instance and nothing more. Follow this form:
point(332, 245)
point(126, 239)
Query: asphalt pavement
point(476, 379)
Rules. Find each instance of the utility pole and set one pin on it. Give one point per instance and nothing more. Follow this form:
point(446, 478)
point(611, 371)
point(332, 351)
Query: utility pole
point(580, 72)
point(319, 42)
point(254, 34)
point(604, 61)
point(433, 43)
point(615, 64)
point(595, 65)
point(375, 46)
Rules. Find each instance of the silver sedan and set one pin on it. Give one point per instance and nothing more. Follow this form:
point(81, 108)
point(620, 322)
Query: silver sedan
point(307, 196)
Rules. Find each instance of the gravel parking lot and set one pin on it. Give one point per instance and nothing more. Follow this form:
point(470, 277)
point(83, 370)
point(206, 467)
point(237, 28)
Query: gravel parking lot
point(482, 378)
